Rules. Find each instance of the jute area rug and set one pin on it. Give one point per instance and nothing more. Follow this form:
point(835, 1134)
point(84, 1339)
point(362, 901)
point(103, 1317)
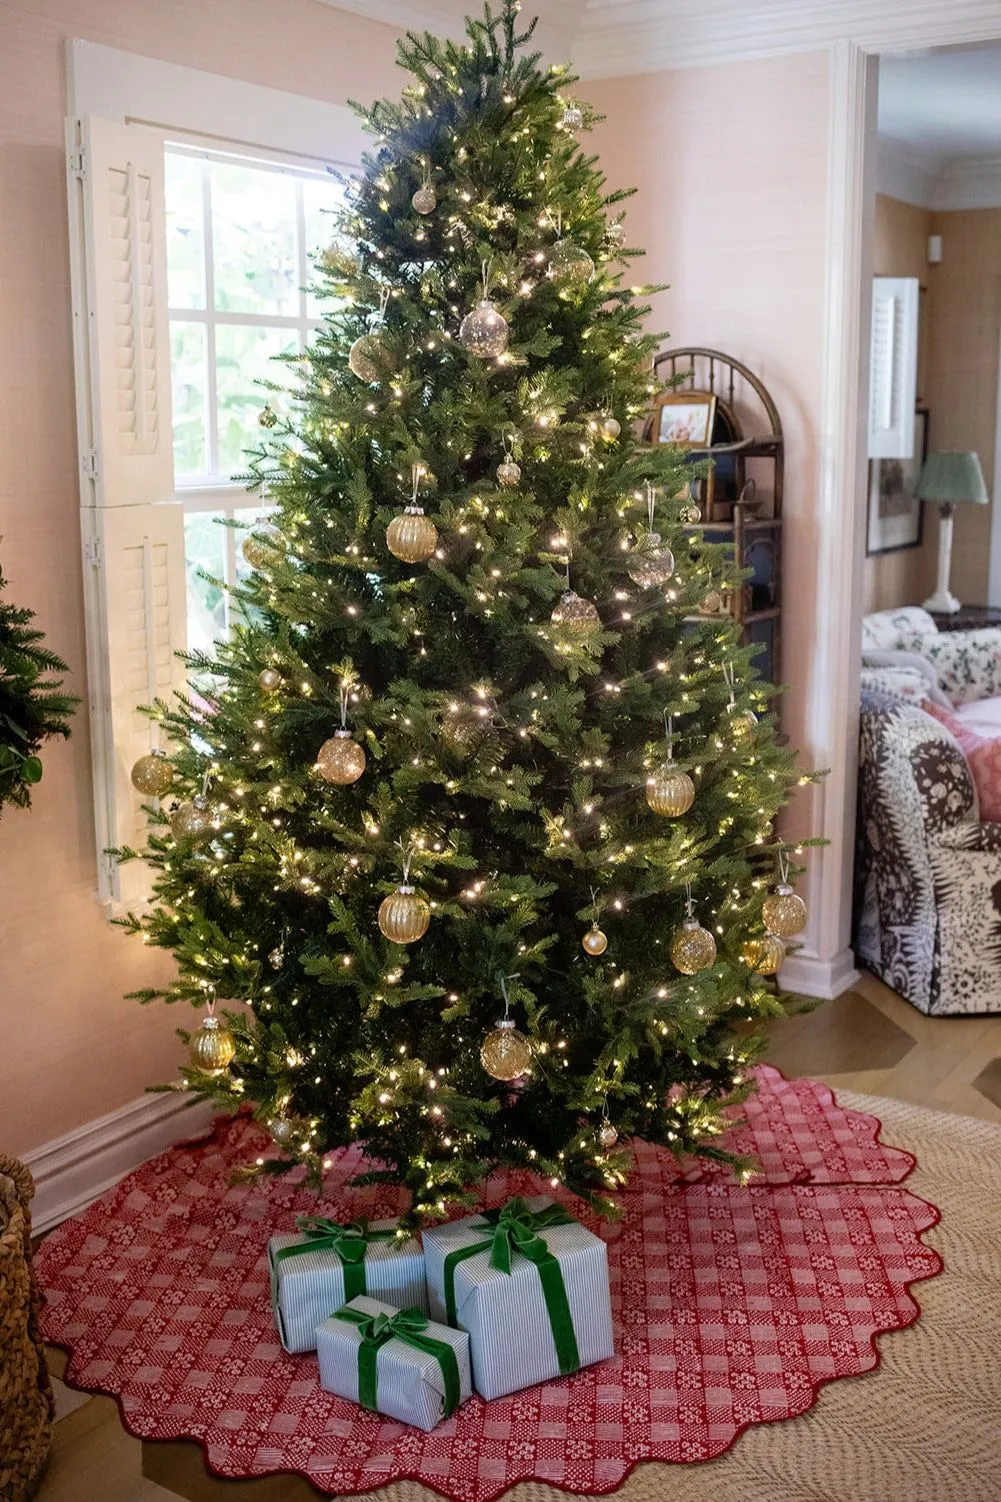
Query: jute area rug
point(925, 1426)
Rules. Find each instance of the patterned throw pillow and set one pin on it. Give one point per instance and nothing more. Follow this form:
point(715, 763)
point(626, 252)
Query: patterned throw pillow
point(889, 630)
point(967, 663)
point(895, 683)
point(983, 757)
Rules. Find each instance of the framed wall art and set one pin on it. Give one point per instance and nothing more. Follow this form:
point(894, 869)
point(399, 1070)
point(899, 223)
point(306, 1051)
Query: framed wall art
point(684, 417)
point(896, 516)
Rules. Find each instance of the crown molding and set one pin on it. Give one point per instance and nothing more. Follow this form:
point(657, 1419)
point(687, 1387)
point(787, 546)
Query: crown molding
point(906, 173)
point(973, 183)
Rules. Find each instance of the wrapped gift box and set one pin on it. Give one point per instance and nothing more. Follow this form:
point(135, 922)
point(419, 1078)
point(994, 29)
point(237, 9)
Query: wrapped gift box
point(394, 1362)
point(330, 1264)
point(518, 1320)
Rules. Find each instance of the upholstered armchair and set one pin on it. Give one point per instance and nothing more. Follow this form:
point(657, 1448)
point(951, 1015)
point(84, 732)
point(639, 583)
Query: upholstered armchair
point(927, 871)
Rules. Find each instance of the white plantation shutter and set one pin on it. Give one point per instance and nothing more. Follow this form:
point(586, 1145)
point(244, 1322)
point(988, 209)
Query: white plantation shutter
point(893, 375)
point(133, 528)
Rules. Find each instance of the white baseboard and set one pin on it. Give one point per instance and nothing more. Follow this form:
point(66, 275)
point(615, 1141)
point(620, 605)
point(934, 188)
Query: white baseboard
point(812, 976)
point(72, 1171)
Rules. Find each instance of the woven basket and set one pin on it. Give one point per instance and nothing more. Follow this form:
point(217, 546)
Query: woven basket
point(26, 1401)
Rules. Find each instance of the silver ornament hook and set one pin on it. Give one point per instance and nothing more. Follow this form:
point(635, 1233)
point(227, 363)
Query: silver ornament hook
point(503, 985)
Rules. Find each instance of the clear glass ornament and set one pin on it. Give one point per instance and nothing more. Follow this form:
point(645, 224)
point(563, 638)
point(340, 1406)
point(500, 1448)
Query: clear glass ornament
point(285, 1130)
point(607, 1135)
point(764, 955)
point(508, 474)
point(153, 774)
point(570, 263)
point(650, 564)
point(276, 958)
point(744, 722)
point(594, 941)
point(506, 1052)
point(572, 117)
point(575, 615)
point(784, 912)
point(263, 547)
point(191, 819)
point(340, 759)
point(463, 728)
point(370, 360)
point(270, 680)
point(670, 791)
point(610, 427)
point(615, 235)
point(693, 948)
point(411, 536)
point(213, 1048)
point(404, 916)
point(267, 417)
point(484, 331)
point(425, 200)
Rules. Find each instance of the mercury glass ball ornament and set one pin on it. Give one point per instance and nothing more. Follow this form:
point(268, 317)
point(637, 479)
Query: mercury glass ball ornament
point(783, 912)
point(608, 1136)
point(425, 200)
point(506, 1052)
point(615, 235)
point(463, 729)
point(270, 680)
point(670, 791)
point(572, 117)
point(764, 955)
point(191, 819)
point(404, 916)
point(412, 537)
point(693, 948)
point(712, 604)
point(650, 565)
point(575, 615)
point(285, 1129)
point(594, 941)
point(508, 474)
point(340, 759)
point(261, 548)
point(153, 774)
point(484, 331)
point(276, 958)
point(610, 428)
point(370, 360)
point(744, 721)
point(213, 1048)
point(571, 263)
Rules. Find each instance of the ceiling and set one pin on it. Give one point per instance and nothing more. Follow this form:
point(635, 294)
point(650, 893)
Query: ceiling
point(945, 105)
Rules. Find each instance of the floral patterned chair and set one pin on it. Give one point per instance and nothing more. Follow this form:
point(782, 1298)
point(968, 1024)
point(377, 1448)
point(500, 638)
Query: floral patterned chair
point(927, 871)
point(967, 664)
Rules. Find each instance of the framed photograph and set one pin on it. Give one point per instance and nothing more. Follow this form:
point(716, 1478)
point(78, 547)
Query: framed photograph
point(684, 417)
point(896, 516)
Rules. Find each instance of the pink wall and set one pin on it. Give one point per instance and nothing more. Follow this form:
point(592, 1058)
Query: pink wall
point(73, 1048)
point(731, 167)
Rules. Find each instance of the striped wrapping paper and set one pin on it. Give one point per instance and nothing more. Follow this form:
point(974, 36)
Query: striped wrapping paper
point(510, 1336)
point(410, 1384)
point(311, 1286)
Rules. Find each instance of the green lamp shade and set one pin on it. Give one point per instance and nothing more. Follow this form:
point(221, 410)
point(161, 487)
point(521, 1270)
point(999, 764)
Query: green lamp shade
point(952, 476)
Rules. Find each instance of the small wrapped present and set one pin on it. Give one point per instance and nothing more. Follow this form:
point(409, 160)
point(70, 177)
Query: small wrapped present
point(531, 1287)
point(394, 1361)
point(326, 1264)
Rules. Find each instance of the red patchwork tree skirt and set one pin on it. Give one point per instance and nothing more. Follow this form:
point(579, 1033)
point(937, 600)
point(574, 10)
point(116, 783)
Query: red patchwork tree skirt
point(733, 1305)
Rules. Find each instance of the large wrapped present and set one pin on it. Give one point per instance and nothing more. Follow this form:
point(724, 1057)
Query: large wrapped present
point(325, 1264)
point(530, 1284)
point(394, 1361)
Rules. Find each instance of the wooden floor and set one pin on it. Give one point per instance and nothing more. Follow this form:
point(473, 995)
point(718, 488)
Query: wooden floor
point(868, 1040)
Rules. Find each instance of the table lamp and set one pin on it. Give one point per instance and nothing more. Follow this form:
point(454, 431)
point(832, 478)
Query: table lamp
point(949, 478)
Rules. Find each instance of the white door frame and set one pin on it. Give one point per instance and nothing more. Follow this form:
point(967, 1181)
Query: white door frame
point(825, 965)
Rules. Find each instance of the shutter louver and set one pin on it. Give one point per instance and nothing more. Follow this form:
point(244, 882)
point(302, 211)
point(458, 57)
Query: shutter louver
point(893, 367)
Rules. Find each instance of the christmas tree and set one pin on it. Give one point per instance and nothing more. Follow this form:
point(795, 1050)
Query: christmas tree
point(476, 808)
point(33, 706)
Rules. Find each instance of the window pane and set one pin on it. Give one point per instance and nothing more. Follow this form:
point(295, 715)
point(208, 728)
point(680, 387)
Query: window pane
point(243, 356)
point(185, 232)
point(319, 197)
point(254, 241)
point(204, 548)
point(189, 387)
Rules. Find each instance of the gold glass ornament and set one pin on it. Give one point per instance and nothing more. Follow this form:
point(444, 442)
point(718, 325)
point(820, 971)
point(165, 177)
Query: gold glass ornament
point(276, 958)
point(711, 604)
point(404, 916)
point(570, 263)
point(784, 912)
point(670, 791)
point(693, 947)
point(270, 680)
point(153, 774)
point(506, 1052)
point(575, 615)
point(615, 235)
point(484, 331)
point(191, 819)
point(263, 547)
point(572, 117)
point(425, 200)
point(610, 427)
point(267, 417)
point(744, 722)
point(607, 1135)
point(508, 474)
point(764, 955)
point(370, 360)
point(690, 514)
point(594, 941)
point(213, 1048)
point(650, 565)
point(412, 537)
point(340, 759)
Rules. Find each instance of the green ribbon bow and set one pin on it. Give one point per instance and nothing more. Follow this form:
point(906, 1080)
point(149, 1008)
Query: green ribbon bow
point(407, 1326)
point(350, 1242)
point(515, 1229)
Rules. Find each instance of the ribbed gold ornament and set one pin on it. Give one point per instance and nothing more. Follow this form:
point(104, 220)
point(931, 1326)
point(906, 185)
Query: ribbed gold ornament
point(571, 263)
point(340, 759)
point(270, 680)
point(508, 474)
point(411, 536)
point(594, 941)
point(370, 360)
point(575, 615)
point(263, 547)
point(693, 948)
point(670, 791)
point(783, 912)
point(484, 331)
point(153, 774)
point(191, 819)
point(764, 955)
point(404, 916)
point(506, 1052)
point(213, 1048)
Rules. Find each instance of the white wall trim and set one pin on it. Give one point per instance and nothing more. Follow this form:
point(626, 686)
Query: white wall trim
point(825, 979)
point(73, 1171)
point(972, 183)
point(906, 173)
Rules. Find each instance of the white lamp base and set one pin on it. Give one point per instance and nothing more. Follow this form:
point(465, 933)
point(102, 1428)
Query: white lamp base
point(942, 603)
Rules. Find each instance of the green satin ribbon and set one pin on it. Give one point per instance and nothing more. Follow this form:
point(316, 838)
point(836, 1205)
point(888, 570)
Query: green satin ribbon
point(350, 1243)
point(407, 1326)
point(515, 1229)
